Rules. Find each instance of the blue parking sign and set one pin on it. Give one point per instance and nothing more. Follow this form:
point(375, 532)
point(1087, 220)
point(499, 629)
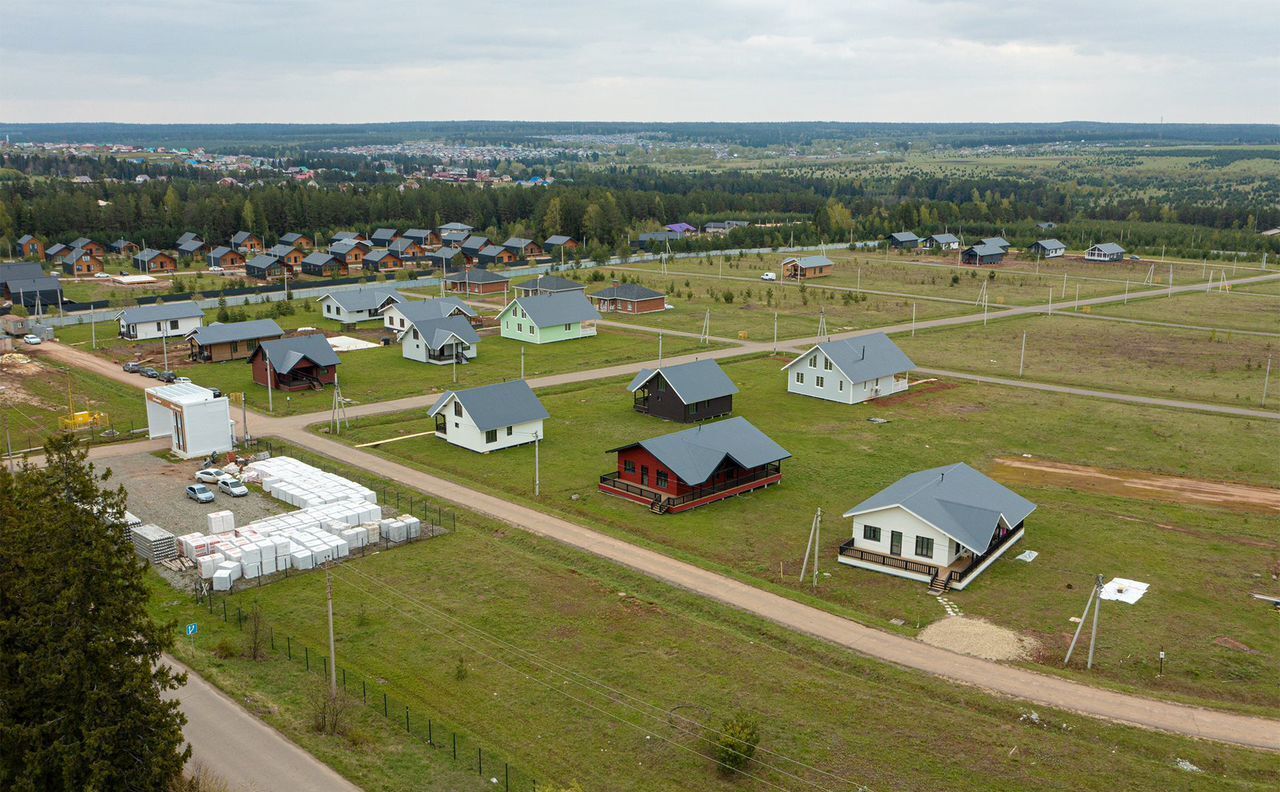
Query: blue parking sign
point(193, 628)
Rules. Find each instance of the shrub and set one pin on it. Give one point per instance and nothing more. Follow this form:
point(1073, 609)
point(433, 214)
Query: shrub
point(740, 734)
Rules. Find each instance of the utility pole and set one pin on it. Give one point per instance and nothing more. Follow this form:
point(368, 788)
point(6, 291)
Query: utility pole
point(1266, 380)
point(913, 320)
point(266, 358)
point(164, 344)
point(522, 361)
point(333, 665)
point(1093, 635)
point(1094, 594)
point(93, 329)
point(1022, 358)
point(813, 548)
point(659, 349)
point(775, 332)
point(537, 466)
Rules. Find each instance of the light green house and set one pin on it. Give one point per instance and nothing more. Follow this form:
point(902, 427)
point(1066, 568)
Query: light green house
point(546, 318)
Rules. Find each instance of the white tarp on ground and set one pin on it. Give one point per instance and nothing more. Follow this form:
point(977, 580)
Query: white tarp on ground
point(1124, 590)
point(349, 344)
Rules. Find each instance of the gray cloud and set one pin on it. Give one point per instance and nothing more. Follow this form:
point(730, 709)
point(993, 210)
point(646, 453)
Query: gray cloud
point(908, 60)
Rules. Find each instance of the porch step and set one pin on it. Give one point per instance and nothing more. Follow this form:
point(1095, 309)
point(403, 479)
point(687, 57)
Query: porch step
point(658, 506)
point(939, 584)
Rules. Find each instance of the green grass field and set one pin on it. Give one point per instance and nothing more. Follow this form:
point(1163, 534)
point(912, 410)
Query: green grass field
point(1220, 368)
point(1214, 309)
point(840, 458)
point(540, 628)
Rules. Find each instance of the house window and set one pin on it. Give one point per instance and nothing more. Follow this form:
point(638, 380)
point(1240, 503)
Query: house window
point(509, 428)
point(568, 327)
point(799, 377)
point(328, 308)
point(457, 409)
point(235, 347)
point(519, 327)
point(491, 436)
point(871, 533)
point(662, 479)
point(159, 326)
point(415, 334)
point(820, 381)
point(693, 408)
point(924, 547)
point(826, 364)
point(662, 385)
point(813, 361)
point(628, 466)
point(402, 324)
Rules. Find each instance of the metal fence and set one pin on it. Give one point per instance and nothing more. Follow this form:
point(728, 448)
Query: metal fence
point(465, 750)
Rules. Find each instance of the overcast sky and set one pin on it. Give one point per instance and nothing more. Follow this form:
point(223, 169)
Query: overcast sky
point(721, 60)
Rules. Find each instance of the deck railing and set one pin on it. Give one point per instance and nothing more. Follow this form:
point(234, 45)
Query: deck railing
point(612, 479)
point(897, 562)
point(998, 545)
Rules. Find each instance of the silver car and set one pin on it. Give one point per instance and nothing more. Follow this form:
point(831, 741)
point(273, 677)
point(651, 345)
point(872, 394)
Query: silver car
point(233, 487)
point(200, 493)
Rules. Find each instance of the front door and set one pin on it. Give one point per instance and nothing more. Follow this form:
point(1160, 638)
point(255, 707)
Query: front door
point(644, 475)
point(895, 543)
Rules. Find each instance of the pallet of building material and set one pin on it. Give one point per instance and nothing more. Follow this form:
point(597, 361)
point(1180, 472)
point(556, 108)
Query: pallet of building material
point(153, 543)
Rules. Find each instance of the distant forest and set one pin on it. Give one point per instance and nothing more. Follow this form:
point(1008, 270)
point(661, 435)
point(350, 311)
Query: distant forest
point(269, 138)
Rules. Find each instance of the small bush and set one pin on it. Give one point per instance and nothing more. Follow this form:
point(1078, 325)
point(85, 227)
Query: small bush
point(737, 742)
point(226, 648)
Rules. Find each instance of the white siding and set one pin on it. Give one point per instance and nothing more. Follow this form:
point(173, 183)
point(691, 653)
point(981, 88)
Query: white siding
point(149, 330)
point(462, 431)
point(822, 383)
point(896, 518)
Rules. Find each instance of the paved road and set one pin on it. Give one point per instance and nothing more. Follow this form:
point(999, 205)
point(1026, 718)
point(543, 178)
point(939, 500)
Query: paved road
point(242, 750)
point(907, 652)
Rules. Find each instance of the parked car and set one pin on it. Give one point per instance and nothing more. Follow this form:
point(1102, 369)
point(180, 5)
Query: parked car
point(133, 367)
point(102, 275)
point(216, 268)
point(167, 376)
point(1135, 258)
point(186, 380)
point(211, 475)
point(200, 493)
point(769, 276)
point(149, 372)
point(31, 339)
point(233, 487)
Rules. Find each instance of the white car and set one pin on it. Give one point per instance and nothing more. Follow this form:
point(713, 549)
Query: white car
point(31, 339)
point(211, 475)
point(216, 268)
point(233, 487)
point(101, 275)
point(769, 276)
point(186, 380)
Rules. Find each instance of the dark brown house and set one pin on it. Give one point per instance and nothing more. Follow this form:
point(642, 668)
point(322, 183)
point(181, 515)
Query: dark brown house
point(297, 363)
point(231, 341)
point(690, 392)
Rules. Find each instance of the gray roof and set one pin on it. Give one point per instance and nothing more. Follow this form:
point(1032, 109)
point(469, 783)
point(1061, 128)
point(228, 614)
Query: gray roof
point(318, 259)
point(558, 239)
point(545, 310)
point(983, 249)
point(262, 261)
point(80, 242)
point(437, 332)
point(810, 262)
point(517, 242)
point(438, 308)
point(1051, 244)
point(628, 292)
point(496, 406)
point(25, 238)
point(240, 237)
point(291, 238)
point(20, 271)
point(44, 283)
point(996, 241)
point(346, 235)
point(945, 239)
point(694, 454)
point(454, 227)
point(160, 313)
point(474, 243)
point(492, 250)
point(398, 246)
point(383, 234)
point(693, 382)
point(550, 284)
point(449, 237)
point(189, 236)
point(345, 247)
point(55, 249)
point(119, 244)
point(379, 255)
point(1108, 247)
point(236, 331)
point(193, 246)
point(285, 353)
point(417, 234)
point(863, 358)
point(220, 251)
point(957, 500)
point(280, 251)
point(905, 236)
point(363, 299)
point(474, 276)
point(148, 254)
point(444, 254)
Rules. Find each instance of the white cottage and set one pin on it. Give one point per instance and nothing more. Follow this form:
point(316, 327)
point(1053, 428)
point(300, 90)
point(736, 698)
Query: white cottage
point(357, 305)
point(146, 322)
point(446, 340)
point(397, 316)
point(850, 371)
point(490, 418)
point(942, 526)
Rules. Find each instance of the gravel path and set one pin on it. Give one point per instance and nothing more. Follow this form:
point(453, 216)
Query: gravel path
point(977, 638)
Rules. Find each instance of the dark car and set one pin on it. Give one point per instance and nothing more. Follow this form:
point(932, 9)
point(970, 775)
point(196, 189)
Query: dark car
point(150, 373)
point(167, 376)
point(132, 367)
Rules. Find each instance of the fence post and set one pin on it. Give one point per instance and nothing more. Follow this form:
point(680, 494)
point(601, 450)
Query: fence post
point(430, 741)
point(325, 665)
point(224, 610)
point(406, 719)
point(344, 680)
point(455, 746)
point(364, 693)
point(289, 645)
point(480, 760)
point(272, 632)
point(306, 655)
point(385, 713)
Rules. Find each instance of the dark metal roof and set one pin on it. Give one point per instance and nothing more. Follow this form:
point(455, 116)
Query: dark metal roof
point(282, 250)
point(285, 353)
point(262, 261)
point(435, 333)
point(474, 276)
point(497, 406)
point(236, 331)
point(984, 250)
point(693, 382)
point(694, 454)
point(362, 299)
point(557, 239)
point(240, 237)
point(318, 259)
point(1108, 248)
point(438, 308)
point(627, 292)
point(545, 310)
point(550, 284)
point(810, 262)
point(160, 313)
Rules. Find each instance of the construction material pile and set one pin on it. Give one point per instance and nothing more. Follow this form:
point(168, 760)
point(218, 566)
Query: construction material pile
point(303, 485)
point(153, 543)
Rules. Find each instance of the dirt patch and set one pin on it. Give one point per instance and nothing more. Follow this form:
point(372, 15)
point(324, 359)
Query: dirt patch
point(1136, 484)
point(915, 390)
point(1232, 643)
point(978, 638)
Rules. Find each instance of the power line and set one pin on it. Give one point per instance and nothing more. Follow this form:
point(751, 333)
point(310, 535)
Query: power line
point(658, 714)
point(584, 702)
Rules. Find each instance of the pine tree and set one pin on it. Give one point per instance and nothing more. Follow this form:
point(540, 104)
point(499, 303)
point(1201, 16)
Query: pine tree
point(79, 679)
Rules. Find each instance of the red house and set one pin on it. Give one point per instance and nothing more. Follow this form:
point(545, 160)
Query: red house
point(297, 363)
point(629, 298)
point(684, 470)
point(31, 247)
point(476, 281)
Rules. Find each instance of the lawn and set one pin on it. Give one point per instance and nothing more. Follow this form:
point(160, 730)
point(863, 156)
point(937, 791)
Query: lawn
point(1216, 367)
point(840, 458)
point(34, 397)
point(577, 669)
point(1213, 309)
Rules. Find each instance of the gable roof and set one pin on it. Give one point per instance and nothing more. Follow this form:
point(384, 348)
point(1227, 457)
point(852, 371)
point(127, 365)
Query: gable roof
point(20, 271)
point(25, 238)
point(362, 299)
point(285, 353)
point(453, 227)
point(281, 250)
point(342, 236)
point(292, 238)
point(160, 313)
point(319, 259)
point(863, 358)
point(33, 286)
point(241, 237)
point(945, 239)
point(996, 241)
point(904, 236)
point(694, 454)
point(417, 234)
point(545, 310)
point(81, 242)
point(384, 234)
point(449, 237)
point(1107, 247)
point(558, 239)
point(957, 500)
point(345, 247)
point(810, 262)
point(627, 292)
point(189, 236)
point(438, 308)
point(236, 331)
point(492, 251)
point(192, 246)
point(220, 251)
point(496, 406)
point(437, 331)
point(119, 245)
point(262, 261)
point(517, 242)
point(474, 243)
point(400, 244)
point(378, 255)
point(984, 249)
point(551, 283)
point(147, 254)
point(680, 227)
point(55, 249)
point(693, 382)
point(1050, 244)
point(445, 254)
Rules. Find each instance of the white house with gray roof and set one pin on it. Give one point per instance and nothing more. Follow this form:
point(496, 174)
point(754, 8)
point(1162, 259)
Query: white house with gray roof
point(397, 316)
point(145, 322)
point(357, 305)
point(1048, 248)
point(850, 371)
point(942, 526)
point(491, 417)
point(942, 241)
point(1105, 251)
point(440, 340)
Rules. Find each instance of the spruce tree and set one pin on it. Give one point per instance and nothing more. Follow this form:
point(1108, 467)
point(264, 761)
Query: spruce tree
point(80, 682)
